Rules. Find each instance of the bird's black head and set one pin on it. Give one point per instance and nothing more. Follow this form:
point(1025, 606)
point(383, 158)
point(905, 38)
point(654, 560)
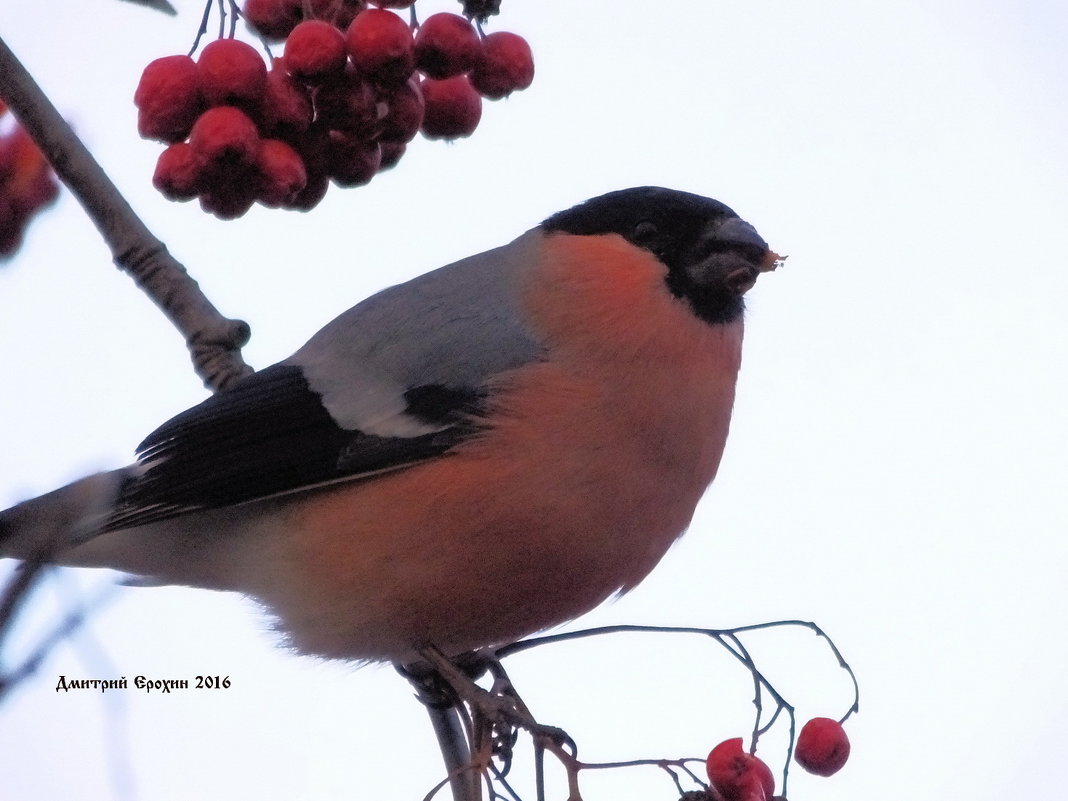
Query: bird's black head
point(712, 255)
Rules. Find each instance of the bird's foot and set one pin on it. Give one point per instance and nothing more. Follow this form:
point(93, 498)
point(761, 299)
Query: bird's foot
point(445, 682)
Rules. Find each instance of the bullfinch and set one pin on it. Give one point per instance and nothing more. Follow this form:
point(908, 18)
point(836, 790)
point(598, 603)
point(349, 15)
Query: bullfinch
point(481, 453)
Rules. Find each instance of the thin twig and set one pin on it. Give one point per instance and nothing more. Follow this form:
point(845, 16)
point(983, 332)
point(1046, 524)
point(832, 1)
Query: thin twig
point(203, 29)
point(71, 622)
point(235, 15)
point(729, 639)
point(221, 5)
point(19, 588)
point(533, 642)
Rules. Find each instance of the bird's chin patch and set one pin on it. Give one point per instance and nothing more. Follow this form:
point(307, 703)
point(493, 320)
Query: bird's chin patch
point(728, 273)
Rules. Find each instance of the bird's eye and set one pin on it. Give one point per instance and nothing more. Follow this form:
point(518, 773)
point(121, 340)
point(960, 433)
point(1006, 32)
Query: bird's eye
point(645, 231)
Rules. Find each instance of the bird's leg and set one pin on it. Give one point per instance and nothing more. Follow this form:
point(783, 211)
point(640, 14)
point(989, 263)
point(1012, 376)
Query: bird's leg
point(452, 729)
point(492, 718)
point(443, 682)
point(501, 705)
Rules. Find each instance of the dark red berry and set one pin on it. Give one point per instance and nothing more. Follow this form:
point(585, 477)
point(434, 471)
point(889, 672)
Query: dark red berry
point(308, 198)
point(12, 227)
point(27, 184)
point(168, 98)
point(349, 104)
point(282, 173)
point(315, 51)
point(273, 19)
point(505, 65)
point(381, 46)
point(287, 104)
point(391, 154)
point(352, 161)
point(446, 45)
point(406, 109)
point(453, 108)
point(229, 197)
point(178, 173)
point(232, 74)
point(338, 13)
point(225, 135)
point(822, 747)
point(737, 775)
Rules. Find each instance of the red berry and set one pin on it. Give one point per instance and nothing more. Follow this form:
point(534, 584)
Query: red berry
point(308, 198)
point(505, 65)
point(315, 50)
point(178, 173)
point(229, 198)
point(7, 159)
point(27, 177)
point(349, 104)
point(352, 161)
point(822, 747)
point(446, 45)
point(312, 145)
point(381, 46)
point(38, 191)
point(406, 111)
point(739, 776)
point(337, 12)
point(391, 154)
point(26, 184)
point(225, 135)
point(168, 98)
point(393, 3)
point(12, 228)
point(287, 105)
point(232, 74)
point(453, 108)
point(282, 173)
point(273, 19)
point(42, 191)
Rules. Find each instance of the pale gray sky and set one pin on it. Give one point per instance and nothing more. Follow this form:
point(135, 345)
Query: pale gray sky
point(896, 468)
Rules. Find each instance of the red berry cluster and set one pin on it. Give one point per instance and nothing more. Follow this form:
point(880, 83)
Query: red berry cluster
point(27, 184)
point(822, 749)
point(353, 87)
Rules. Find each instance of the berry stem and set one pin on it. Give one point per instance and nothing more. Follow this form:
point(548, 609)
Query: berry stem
point(808, 624)
point(214, 341)
point(203, 29)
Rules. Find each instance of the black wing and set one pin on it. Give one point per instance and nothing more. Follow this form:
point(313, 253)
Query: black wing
point(268, 435)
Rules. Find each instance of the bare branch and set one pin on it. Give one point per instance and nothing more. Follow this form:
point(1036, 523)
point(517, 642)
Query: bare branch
point(214, 341)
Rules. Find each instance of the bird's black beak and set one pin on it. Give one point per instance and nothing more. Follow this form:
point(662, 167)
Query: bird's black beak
point(729, 257)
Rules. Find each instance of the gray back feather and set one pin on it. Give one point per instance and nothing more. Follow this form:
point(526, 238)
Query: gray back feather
point(455, 327)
